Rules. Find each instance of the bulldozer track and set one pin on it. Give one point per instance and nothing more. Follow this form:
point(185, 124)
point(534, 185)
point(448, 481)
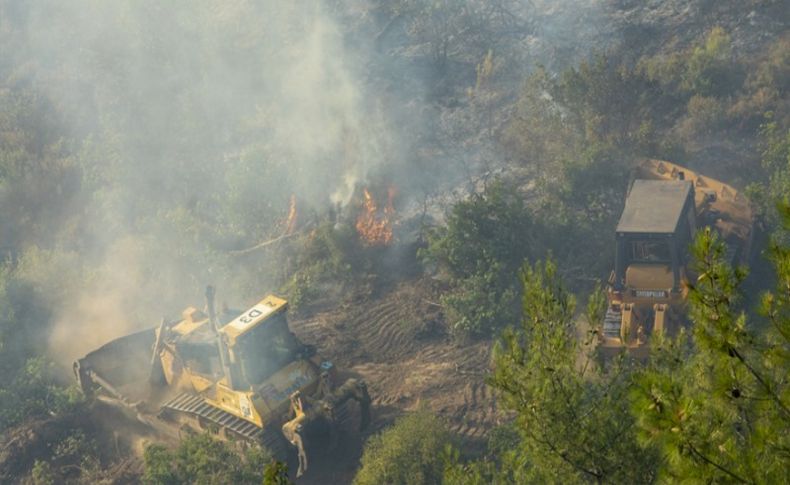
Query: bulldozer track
point(196, 406)
point(384, 331)
point(406, 367)
point(478, 414)
point(269, 437)
point(611, 322)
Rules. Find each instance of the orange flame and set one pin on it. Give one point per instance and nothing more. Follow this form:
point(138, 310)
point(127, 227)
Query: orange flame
point(290, 222)
point(374, 227)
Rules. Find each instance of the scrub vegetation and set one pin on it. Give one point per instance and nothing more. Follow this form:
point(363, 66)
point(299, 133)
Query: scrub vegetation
point(148, 149)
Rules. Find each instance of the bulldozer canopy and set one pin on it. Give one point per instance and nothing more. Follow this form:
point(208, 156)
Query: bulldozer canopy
point(655, 206)
point(263, 310)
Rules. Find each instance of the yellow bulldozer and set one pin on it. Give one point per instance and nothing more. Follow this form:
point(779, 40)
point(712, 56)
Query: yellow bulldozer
point(647, 290)
point(242, 376)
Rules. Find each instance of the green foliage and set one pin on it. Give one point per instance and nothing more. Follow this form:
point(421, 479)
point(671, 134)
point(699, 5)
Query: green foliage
point(705, 115)
point(77, 450)
point(502, 439)
point(34, 391)
point(437, 24)
point(572, 415)
point(708, 67)
point(494, 225)
point(31, 387)
point(158, 465)
point(776, 163)
point(538, 133)
point(334, 245)
point(75, 445)
point(38, 178)
point(276, 473)
point(471, 473)
point(717, 407)
point(408, 452)
point(486, 236)
point(602, 105)
point(766, 88)
point(490, 234)
point(592, 120)
point(202, 459)
point(244, 189)
point(705, 69)
point(603, 98)
point(47, 276)
point(503, 463)
point(480, 303)
point(325, 259)
point(7, 317)
point(42, 473)
point(74, 457)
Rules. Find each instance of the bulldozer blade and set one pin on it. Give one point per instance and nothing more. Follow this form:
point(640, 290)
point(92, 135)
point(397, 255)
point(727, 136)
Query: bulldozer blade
point(119, 368)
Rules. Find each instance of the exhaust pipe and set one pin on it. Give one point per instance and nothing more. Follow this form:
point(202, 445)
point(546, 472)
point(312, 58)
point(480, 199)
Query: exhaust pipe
point(224, 354)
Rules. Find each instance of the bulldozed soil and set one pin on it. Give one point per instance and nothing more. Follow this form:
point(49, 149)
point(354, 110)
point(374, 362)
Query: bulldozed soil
point(398, 343)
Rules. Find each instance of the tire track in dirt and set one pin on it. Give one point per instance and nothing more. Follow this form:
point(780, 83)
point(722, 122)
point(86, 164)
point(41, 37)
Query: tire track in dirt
point(409, 363)
point(383, 332)
point(478, 414)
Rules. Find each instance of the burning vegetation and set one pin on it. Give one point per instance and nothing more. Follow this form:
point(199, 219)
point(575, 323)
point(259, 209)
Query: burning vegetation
point(374, 226)
point(239, 160)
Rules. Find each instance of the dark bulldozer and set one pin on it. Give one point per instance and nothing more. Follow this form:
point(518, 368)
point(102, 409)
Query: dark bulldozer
point(648, 288)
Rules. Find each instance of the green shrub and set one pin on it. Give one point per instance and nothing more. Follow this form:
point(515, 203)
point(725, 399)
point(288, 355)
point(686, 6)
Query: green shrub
point(493, 225)
point(704, 115)
point(775, 144)
point(42, 473)
point(485, 241)
point(572, 416)
point(203, 459)
point(481, 302)
point(408, 452)
point(706, 69)
point(709, 67)
point(276, 473)
point(35, 391)
point(326, 258)
point(480, 472)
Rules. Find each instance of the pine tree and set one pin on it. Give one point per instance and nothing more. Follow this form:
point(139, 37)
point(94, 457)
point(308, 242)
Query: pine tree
point(572, 414)
point(716, 401)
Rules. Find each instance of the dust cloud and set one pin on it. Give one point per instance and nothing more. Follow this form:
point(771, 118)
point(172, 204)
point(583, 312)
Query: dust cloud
point(195, 122)
point(216, 106)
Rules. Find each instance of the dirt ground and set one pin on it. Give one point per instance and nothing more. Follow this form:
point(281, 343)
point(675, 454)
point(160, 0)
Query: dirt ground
point(397, 342)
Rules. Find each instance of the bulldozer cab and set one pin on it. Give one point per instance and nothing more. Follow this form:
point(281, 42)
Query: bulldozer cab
point(200, 356)
point(261, 341)
point(653, 236)
point(267, 349)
